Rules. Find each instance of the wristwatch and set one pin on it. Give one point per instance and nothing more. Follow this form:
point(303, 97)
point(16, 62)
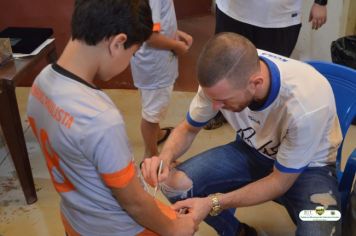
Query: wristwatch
point(321, 2)
point(216, 208)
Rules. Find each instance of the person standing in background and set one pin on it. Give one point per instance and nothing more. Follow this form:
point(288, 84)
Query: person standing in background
point(155, 69)
point(270, 25)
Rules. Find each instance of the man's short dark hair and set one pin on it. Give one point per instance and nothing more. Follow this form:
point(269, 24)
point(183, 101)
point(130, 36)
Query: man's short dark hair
point(96, 20)
point(227, 56)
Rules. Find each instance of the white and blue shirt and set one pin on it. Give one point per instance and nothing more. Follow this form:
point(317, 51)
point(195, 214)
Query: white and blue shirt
point(266, 13)
point(297, 126)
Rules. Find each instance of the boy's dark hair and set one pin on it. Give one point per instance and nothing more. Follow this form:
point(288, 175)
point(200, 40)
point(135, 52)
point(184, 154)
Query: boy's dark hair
point(96, 20)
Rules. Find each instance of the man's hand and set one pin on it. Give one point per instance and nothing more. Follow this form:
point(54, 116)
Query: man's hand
point(317, 15)
point(198, 208)
point(149, 169)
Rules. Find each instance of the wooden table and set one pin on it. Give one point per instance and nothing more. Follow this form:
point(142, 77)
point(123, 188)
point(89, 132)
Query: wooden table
point(10, 76)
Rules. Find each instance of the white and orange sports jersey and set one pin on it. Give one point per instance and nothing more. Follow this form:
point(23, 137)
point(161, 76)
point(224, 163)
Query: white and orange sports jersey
point(266, 13)
point(297, 126)
point(84, 141)
point(155, 68)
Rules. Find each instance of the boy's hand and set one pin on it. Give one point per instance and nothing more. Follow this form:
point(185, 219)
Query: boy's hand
point(186, 38)
point(184, 225)
point(180, 48)
point(198, 208)
point(184, 42)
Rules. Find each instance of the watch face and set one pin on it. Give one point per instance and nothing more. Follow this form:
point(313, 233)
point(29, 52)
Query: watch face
point(215, 211)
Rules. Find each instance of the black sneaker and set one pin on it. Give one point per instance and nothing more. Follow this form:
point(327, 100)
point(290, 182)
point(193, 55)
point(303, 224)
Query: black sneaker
point(216, 122)
point(246, 230)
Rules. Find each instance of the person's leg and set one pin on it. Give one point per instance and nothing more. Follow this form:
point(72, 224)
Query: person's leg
point(154, 108)
point(221, 169)
point(316, 186)
point(224, 23)
point(277, 40)
point(150, 131)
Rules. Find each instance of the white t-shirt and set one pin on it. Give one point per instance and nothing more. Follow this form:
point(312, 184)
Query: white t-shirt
point(263, 13)
point(156, 68)
point(297, 126)
point(84, 141)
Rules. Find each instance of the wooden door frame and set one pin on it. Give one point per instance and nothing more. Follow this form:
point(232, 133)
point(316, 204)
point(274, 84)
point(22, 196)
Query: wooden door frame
point(349, 18)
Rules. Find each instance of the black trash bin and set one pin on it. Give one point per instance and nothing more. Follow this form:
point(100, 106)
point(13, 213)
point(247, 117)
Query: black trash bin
point(343, 52)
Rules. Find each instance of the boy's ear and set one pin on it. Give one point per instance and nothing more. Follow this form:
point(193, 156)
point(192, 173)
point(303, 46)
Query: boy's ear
point(117, 42)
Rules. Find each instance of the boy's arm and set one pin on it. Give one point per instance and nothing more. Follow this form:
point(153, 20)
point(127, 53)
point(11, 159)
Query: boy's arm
point(161, 41)
point(144, 210)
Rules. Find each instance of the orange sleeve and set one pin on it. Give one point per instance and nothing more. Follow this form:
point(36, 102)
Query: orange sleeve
point(120, 178)
point(156, 27)
point(166, 210)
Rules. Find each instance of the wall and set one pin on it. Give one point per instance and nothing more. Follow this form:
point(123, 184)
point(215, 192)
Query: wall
point(189, 8)
point(39, 13)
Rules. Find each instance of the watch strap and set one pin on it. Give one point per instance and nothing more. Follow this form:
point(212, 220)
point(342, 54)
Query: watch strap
point(321, 2)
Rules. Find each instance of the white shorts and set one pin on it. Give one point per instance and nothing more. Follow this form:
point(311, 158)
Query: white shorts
point(155, 103)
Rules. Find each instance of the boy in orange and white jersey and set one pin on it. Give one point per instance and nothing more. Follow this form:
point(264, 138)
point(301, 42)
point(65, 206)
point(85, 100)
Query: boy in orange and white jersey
point(82, 133)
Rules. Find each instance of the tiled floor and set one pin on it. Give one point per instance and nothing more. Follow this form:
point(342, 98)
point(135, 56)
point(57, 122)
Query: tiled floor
point(42, 218)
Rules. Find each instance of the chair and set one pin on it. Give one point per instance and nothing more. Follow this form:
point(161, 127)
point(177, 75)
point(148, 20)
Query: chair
point(343, 82)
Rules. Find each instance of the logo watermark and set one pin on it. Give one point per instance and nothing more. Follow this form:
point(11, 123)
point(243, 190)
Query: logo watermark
point(320, 214)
